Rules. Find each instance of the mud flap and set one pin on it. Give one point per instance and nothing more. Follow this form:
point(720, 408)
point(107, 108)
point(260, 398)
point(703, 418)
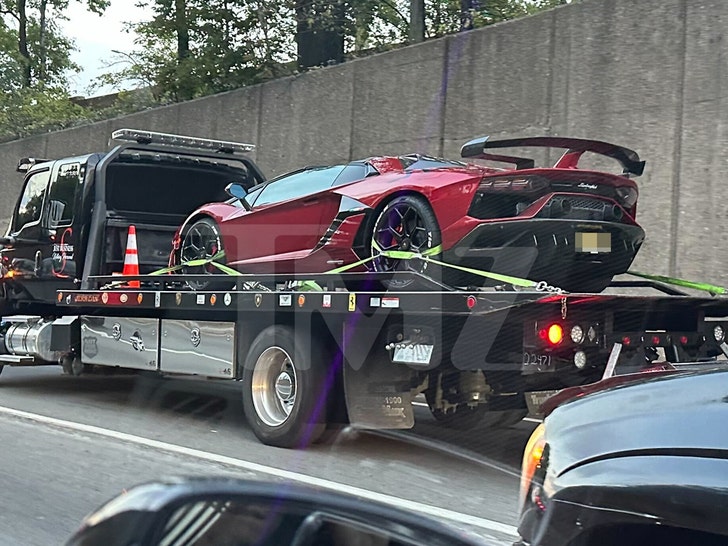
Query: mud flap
point(378, 394)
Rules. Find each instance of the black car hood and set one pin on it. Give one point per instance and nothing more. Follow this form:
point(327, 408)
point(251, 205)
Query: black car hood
point(684, 414)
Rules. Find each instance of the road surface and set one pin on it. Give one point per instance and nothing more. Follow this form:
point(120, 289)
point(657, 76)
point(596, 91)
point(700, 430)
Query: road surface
point(69, 444)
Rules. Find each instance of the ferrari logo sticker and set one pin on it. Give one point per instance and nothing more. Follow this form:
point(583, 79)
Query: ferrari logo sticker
point(352, 301)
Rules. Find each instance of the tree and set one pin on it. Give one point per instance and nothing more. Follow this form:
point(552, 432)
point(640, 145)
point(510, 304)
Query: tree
point(417, 21)
point(320, 32)
point(191, 48)
point(34, 63)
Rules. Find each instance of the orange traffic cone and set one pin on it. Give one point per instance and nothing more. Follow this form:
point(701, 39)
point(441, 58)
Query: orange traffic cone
point(131, 258)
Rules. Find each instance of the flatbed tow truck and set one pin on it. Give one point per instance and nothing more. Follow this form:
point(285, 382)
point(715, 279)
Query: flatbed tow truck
point(310, 352)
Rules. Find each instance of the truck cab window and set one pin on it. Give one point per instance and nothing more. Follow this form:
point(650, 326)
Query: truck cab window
point(31, 204)
point(62, 194)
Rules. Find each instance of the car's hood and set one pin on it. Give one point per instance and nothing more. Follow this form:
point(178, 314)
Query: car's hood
point(683, 414)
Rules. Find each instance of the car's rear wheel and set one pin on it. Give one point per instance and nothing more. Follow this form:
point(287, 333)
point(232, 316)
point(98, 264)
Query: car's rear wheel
point(408, 224)
point(203, 241)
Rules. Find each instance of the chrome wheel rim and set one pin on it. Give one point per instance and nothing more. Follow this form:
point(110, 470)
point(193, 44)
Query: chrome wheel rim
point(400, 227)
point(274, 386)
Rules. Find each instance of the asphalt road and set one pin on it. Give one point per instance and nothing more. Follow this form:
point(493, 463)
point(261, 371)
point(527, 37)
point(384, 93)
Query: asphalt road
point(55, 472)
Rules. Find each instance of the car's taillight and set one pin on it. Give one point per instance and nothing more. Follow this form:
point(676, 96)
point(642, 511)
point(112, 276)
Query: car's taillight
point(627, 196)
point(518, 183)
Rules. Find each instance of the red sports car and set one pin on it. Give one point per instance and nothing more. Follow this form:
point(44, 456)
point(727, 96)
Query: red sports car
point(573, 228)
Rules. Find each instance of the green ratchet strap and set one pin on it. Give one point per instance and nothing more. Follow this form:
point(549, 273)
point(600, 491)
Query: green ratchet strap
point(705, 287)
point(427, 256)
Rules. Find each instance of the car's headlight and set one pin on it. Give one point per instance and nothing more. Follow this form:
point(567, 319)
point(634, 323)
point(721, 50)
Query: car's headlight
point(531, 461)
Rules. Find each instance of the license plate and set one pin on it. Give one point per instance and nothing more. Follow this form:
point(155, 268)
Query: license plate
point(413, 354)
point(593, 242)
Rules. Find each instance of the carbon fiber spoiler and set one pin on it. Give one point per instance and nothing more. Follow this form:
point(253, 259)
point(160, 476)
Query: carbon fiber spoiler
point(629, 159)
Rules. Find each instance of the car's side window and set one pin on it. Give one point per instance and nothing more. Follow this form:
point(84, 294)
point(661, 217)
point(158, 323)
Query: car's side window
point(298, 184)
point(356, 171)
point(31, 203)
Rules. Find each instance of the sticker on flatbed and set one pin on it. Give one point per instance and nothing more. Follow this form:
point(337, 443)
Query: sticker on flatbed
point(375, 302)
point(413, 354)
point(326, 300)
point(536, 362)
point(390, 303)
point(200, 299)
point(352, 301)
point(284, 300)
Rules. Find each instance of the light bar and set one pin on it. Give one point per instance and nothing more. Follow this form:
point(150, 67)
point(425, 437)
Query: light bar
point(180, 141)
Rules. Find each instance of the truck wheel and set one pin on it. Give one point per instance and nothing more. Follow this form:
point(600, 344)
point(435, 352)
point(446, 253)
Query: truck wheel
point(202, 241)
point(285, 388)
point(407, 223)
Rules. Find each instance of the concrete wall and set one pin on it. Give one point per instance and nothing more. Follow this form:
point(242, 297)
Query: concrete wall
point(648, 74)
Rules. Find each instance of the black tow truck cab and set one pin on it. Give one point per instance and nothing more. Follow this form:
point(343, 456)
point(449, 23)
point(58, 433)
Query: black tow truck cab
point(309, 351)
point(72, 217)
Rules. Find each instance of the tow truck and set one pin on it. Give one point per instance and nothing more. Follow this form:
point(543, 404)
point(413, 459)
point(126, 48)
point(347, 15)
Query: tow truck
point(310, 352)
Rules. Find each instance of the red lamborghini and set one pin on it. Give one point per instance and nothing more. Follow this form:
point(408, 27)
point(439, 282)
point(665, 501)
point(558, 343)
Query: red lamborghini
point(573, 228)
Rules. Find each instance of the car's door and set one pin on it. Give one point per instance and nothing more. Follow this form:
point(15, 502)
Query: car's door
point(288, 216)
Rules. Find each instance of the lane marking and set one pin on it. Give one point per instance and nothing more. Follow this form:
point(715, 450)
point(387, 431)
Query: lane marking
point(413, 506)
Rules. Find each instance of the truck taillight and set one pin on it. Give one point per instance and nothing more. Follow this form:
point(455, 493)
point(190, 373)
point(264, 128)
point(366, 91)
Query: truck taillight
point(553, 334)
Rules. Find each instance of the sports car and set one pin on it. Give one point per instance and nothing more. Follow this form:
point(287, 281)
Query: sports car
point(572, 228)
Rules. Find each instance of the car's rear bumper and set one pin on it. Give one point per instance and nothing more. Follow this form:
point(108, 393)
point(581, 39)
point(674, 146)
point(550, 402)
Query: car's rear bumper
point(546, 249)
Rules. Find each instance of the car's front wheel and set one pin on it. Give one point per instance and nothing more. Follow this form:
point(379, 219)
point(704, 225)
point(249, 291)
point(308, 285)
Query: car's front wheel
point(202, 242)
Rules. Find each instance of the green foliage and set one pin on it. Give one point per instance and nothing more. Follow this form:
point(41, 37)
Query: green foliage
point(193, 48)
point(35, 59)
point(32, 110)
point(230, 43)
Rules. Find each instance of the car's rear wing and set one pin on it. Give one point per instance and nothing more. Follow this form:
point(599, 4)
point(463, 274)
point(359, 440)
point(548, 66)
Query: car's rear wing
point(629, 159)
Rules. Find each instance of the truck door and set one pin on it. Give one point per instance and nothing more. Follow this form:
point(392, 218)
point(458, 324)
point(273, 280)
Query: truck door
point(24, 256)
point(58, 221)
point(42, 224)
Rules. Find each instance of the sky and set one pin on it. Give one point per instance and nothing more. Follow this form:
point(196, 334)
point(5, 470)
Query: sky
point(95, 37)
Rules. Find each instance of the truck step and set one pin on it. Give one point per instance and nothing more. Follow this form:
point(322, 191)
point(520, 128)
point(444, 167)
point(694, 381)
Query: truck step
point(17, 360)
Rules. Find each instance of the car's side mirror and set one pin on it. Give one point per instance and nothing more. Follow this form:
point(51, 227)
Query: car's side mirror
point(237, 191)
point(246, 512)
